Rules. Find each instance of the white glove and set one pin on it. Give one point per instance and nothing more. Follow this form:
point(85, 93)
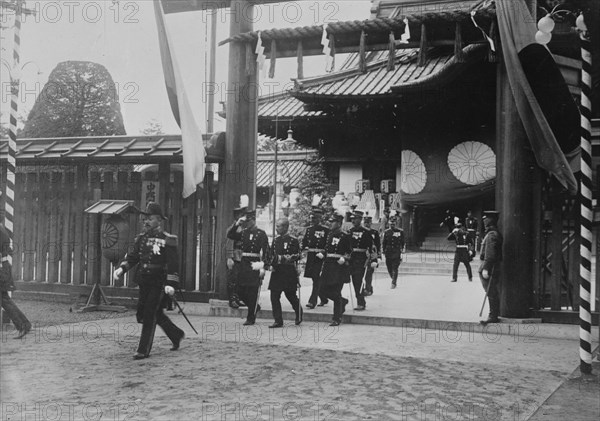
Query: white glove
point(374, 265)
point(341, 260)
point(258, 265)
point(320, 256)
point(261, 273)
point(169, 290)
point(240, 221)
point(117, 274)
point(485, 274)
point(230, 263)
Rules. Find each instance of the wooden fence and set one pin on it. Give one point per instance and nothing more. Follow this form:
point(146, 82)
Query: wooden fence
point(55, 242)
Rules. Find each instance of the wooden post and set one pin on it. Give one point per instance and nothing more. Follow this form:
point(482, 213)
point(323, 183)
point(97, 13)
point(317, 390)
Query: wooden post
point(237, 175)
point(513, 200)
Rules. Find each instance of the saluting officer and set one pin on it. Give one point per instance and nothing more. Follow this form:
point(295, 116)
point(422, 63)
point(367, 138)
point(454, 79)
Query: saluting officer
point(361, 242)
point(489, 271)
point(155, 251)
point(285, 254)
point(234, 260)
point(313, 243)
point(255, 260)
point(335, 271)
point(464, 250)
point(375, 254)
point(471, 225)
point(393, 244)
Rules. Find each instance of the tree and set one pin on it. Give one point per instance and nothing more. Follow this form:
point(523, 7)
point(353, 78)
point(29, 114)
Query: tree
point(79, 99)
point(315, 182)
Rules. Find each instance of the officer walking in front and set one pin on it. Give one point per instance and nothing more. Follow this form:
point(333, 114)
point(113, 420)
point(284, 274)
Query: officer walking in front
point(233, 262)
point(375, 255)
point(393, 244)
point(463, 251)
point(285, 253)
point(255, 260)
point(335, 271)
point(489, 271)
point(155, 253)
point(361, 242)
point(313, 243)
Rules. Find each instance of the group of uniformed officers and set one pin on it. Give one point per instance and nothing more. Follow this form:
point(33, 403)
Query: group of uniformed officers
point(333, 258)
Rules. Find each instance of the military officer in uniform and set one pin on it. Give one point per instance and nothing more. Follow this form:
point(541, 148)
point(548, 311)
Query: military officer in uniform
point(375, 255)
point(463, 252)
point(155, 253)
point(471, 226)
point(392, 245)
point(313, 243)
point(255, 260)
point(361, 242)
point(336, 271)
point(285, 253)
point(448, 221)
point(489, 271)
point(234, 260)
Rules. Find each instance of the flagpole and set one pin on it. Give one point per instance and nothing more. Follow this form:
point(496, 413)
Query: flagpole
point(585, 317)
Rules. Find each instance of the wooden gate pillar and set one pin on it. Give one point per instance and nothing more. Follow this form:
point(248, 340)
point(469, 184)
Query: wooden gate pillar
point(237, 175)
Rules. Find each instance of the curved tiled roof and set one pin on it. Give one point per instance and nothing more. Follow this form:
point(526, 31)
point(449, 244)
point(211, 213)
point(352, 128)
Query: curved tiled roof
point(293, 164)
point(282, 106)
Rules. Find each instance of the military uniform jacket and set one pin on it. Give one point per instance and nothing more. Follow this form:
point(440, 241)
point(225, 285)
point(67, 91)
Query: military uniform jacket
point(461, 238)
point(471, 224)
point(237, 244)
point(491, 250)
point(376, 248)
point(361, 243)
point(155, 253)
point(285, 252)
point(338, 245)
point(314, 239)
point(255, 248)
point(393, 243)
point(6, 280)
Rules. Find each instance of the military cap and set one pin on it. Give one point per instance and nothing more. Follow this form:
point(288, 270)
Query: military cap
point(357, 214)
point(153, 208)
point(315, 210)
point(491, 214)
point(251, 213)
point(367, 216)
point(239, 212)
point(336, 218)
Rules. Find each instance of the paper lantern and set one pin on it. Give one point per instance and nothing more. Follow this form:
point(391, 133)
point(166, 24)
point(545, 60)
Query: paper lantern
point(362, 185)
point(388, 186)
point(542, 37)
point(546, 24)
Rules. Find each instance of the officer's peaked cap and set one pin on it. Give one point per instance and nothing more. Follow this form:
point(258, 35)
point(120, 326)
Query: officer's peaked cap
point(357, 214)
point(491, 214)
point(336, 218)
point(238, 212)
point(153, 208)
point(315, 210)
point(251, 213)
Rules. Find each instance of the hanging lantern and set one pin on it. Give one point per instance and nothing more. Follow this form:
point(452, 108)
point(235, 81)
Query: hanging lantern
point(546, 24)
point(542, 37)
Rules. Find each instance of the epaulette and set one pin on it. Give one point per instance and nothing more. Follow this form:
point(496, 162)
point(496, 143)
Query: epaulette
point(170, 239)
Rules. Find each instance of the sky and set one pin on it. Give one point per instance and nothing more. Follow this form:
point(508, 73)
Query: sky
point(122, 36)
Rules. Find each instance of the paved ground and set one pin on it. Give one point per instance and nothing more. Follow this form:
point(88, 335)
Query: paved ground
point(313, 372)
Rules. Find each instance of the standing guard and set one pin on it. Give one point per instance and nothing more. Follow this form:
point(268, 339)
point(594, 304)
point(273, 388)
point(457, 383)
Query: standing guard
point(489, 271)
point(155, 251)
point(471, 225)
point(375, 254)
point(393, 244)
point(335, 271)
point(463, 253)
point(255, 260)
point(448, 221)
point(285, 254)
point(361, 242)
point(234, 260)
point(313, 243)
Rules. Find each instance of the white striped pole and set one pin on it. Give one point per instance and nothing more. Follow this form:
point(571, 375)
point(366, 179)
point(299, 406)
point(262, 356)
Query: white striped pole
point(585, 316)
point(9, 203)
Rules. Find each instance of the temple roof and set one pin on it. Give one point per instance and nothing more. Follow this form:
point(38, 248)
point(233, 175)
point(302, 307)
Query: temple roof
point(294, 166)
point(283, 106)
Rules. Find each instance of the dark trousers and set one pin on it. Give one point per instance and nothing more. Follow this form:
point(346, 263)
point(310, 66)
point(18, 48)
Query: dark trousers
point(14, 313)
point(369, 279)
point(334, 293)
point(316, 291)
point(276, 302)
point(392, 265)
point(150, 313)
point(232, 278)
point(249, 295)
point(493, 283)
point(461, 256)
point(357, 274)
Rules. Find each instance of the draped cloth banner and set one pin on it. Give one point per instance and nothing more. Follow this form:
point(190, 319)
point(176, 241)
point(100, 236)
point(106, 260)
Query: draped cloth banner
point(517, 35)
point(191, 135)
